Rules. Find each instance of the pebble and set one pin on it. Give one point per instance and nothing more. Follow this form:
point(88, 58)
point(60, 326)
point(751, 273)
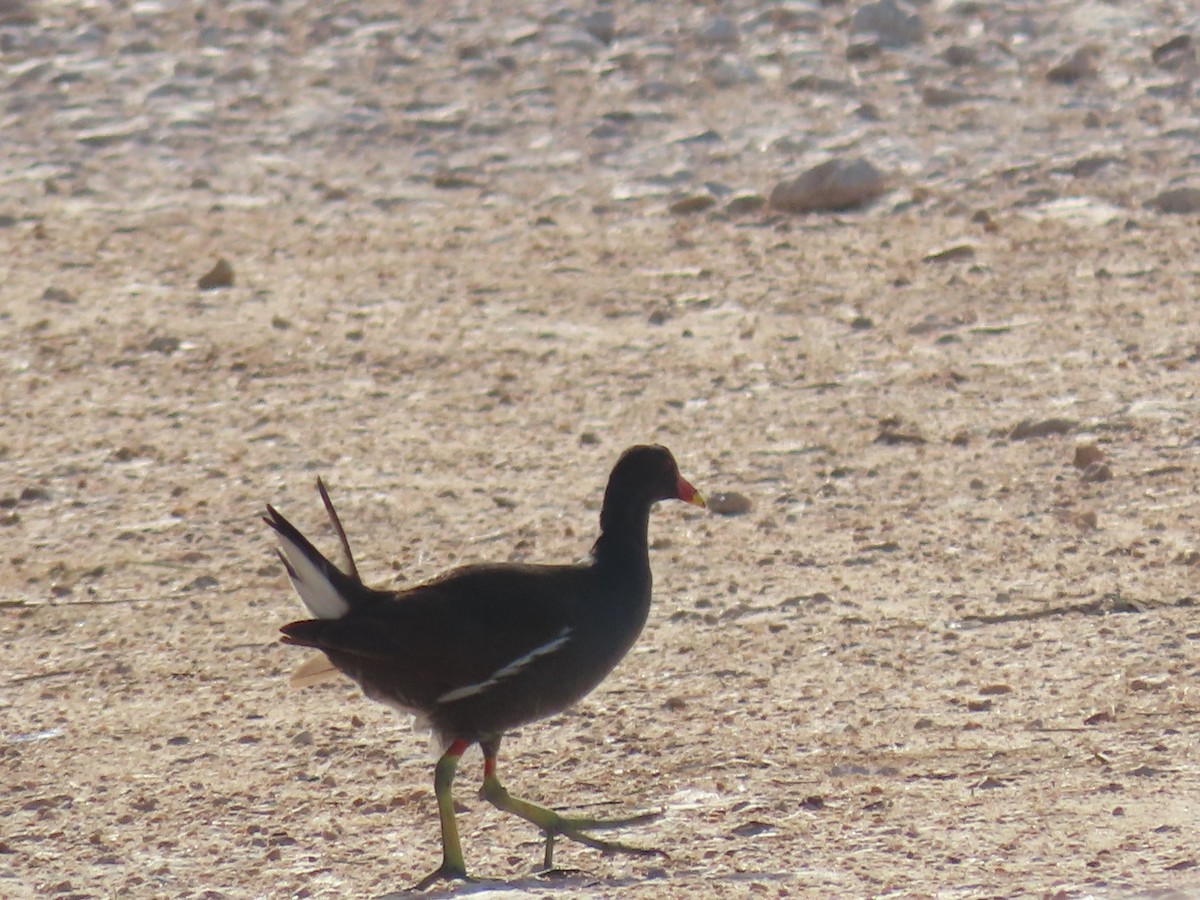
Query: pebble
point(940, 97)
point(892, 24)
point(727, 72)
point(58, 295)
point(1027, 428)
point(164, 344)
point(729, 503)
point(954, 253)
point(1175, 54)
point(1180, 201)
point(1096, 472)
point(601, 24)
point(1074, 67)
point(835, 185)
point(745, 204)
point(219, 276)
point(693, 203)
point(1086, 454)
point(720, 31)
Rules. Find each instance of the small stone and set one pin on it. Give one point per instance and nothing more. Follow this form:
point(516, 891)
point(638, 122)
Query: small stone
point(201, 583)
point(960, 55)
point(720, 31)
point(164, 344)
point(1180, 201)
point(1150, 683)
point(894, 25)
point(1027, 428)
point(834, 185)
point(729, 72)
point(675, 704)
point(955, 253)
point(892, 436)
point(940, 97)
point(693, 203)
point(58, 295)
point(1188, 558)
point(995, 690)
point(1086, 454)
point(589, 439)
point(745, 204)
point(17, 12)
point(601, 24)
point(1096, 472)
point(1077, 66)
point(729, 503)
point(302, 739)
point(1176, 53)
point(753, 828)
point(219, 276)
point(862, 51)
point(452, 181)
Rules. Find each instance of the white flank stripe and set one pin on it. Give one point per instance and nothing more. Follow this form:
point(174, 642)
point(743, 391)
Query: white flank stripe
point(317, 591)
point(512, 668)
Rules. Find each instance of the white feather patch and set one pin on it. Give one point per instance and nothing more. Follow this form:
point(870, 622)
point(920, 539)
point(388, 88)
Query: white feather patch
point(315, 589)
point(313, 670)
point(470, 690)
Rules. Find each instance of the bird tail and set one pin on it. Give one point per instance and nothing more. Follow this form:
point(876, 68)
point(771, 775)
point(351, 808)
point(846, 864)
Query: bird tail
point(327, 591)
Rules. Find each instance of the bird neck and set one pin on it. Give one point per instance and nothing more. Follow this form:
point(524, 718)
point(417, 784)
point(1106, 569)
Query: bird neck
point(623, 545)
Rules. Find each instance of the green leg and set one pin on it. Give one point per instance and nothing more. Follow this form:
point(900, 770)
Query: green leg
point(552, 823)
point(453, 866)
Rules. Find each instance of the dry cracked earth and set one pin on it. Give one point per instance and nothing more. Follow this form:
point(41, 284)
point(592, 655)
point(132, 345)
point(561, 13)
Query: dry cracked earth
point(475, 250)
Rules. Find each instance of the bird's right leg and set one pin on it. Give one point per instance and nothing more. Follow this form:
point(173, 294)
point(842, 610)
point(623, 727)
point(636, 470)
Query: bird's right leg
point(453, 866)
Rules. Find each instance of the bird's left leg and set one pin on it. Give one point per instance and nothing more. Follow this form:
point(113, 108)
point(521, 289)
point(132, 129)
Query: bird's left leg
point(552, 823)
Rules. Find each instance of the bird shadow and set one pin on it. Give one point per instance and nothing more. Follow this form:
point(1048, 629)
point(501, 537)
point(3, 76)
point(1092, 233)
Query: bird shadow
point(560, 879)
point(554, 880)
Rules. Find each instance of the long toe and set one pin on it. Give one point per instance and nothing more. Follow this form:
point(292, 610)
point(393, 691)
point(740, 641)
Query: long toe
point(569, 829)
point(444, 872)
point(584, 823)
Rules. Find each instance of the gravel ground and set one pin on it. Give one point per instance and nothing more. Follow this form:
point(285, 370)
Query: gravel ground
point(473, 251)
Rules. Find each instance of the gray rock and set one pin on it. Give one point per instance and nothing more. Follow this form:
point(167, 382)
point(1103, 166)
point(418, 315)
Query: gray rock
point(730, 503)
point(893, 24)
point(1180, 200)
point(1075, 67)
point(601, 24)
point(720, 31)
point(219, 276)
point(834, 185)
point(730, 71)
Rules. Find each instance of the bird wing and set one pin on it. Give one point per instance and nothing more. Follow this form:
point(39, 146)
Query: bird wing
point(458, 630)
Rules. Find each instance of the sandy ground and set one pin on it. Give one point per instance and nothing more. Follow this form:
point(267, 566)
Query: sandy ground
point(933, 660)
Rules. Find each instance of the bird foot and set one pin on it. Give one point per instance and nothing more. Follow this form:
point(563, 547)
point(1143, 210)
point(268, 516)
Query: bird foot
point(576, 830)
point(445, 872)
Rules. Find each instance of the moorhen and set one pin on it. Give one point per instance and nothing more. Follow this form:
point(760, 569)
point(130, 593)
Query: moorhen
point(485, 648)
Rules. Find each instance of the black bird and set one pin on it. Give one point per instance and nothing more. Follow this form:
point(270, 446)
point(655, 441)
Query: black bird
point(485, 648)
